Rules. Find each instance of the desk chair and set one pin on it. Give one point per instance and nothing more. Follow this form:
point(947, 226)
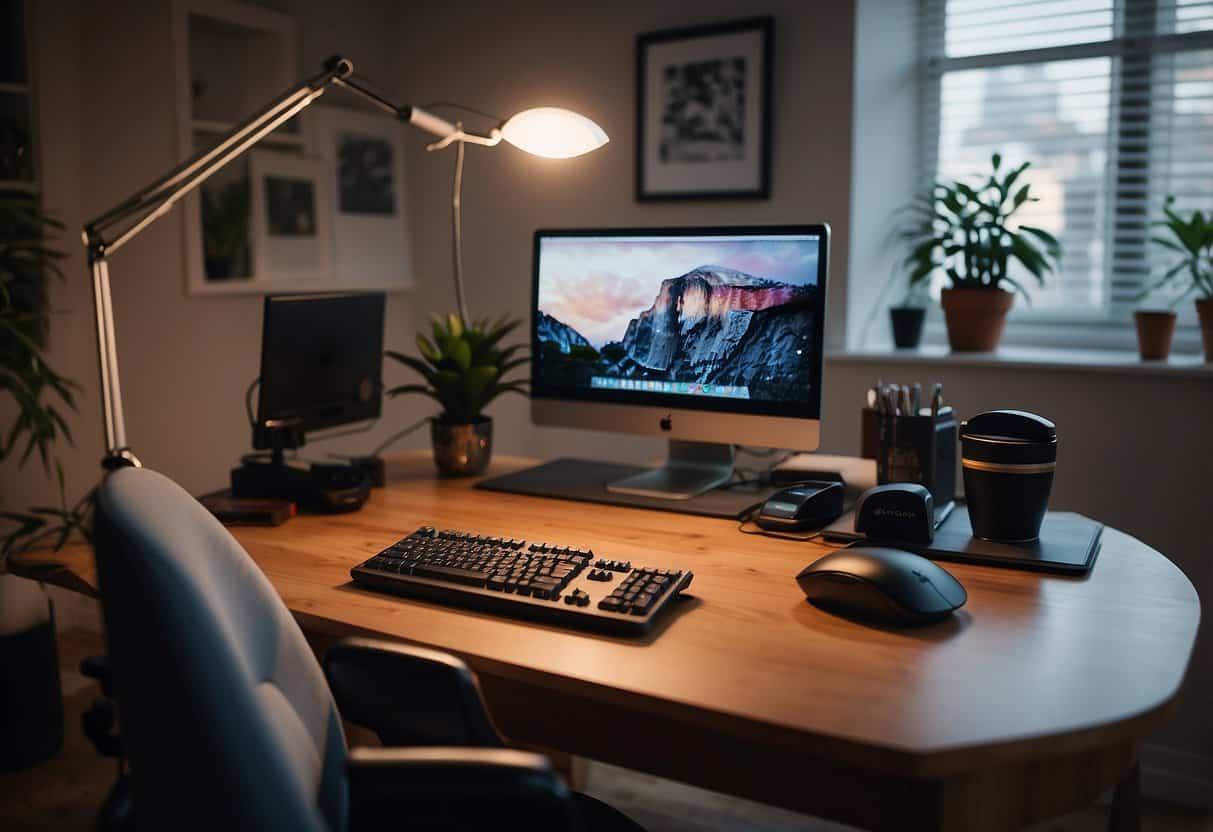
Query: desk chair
point(228, 723)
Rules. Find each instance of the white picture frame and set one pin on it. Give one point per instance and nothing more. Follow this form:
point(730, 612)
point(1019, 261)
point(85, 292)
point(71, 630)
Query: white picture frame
point(364, 153)
point(291, 221)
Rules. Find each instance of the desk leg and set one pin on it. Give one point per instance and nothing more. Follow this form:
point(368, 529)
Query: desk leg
point(1126, 802)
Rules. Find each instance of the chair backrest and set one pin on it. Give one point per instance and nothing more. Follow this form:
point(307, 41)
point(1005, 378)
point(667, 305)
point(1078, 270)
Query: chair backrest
point(225, 714)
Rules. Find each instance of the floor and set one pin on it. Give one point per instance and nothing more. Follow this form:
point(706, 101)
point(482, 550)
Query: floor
point(64, 792)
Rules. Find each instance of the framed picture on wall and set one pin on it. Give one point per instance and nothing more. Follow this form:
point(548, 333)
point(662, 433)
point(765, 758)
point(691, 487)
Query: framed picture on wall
point(365, 155)
point(703, 111)
point(291, 218)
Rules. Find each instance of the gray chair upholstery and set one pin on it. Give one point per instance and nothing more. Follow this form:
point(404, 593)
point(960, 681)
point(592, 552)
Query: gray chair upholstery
point(227, 719)
point(223, 706)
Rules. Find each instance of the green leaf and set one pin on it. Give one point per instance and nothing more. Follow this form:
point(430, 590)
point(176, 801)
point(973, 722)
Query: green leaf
point(427, 349)
point(1020, 197)
point(454, 325)
point(458, 351)
point(404, 389)
point(1052, 246)
point(407, 360)
point(475, 384)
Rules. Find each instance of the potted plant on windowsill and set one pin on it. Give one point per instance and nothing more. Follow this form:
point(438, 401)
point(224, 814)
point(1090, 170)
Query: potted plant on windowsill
point(907, 318)
point(464, 369)
point(966, 232)
point(1191, 238)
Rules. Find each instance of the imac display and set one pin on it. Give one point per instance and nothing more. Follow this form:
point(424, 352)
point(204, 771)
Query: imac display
point(692, 333)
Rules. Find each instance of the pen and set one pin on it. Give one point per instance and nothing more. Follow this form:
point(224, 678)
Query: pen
point(937, 399)
point(915, 398)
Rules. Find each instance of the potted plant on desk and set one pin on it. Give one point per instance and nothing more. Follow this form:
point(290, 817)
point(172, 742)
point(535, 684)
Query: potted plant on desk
point(966, 232)
point(464, 368)
point(1191, 237)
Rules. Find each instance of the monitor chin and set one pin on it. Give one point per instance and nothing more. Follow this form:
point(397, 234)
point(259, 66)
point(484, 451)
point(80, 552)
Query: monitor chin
point(788, 432)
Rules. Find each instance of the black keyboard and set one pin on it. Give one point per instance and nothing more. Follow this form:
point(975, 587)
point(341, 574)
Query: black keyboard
point(561, 585)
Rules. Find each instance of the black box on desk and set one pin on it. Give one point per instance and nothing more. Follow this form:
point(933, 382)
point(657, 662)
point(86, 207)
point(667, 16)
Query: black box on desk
point(919, 449)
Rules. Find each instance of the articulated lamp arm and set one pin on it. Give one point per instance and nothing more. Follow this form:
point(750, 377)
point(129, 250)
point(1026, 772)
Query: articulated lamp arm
point(115, 228)
point(544, 131)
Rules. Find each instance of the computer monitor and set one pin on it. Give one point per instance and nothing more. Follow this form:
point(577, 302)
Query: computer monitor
point(321, 364)
point(709, 336)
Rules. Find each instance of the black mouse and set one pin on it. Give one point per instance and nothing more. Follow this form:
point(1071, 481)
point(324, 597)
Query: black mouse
point(881, 585)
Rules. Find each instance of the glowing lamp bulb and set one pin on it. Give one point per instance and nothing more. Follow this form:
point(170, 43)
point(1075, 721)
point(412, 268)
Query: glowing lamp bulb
point(553, 132)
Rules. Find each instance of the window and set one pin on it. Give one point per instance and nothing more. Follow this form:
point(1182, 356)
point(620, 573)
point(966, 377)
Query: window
point(1111, 101)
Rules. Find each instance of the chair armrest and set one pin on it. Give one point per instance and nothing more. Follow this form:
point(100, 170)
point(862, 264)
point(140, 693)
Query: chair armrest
point(456, 788)
point(409, 696)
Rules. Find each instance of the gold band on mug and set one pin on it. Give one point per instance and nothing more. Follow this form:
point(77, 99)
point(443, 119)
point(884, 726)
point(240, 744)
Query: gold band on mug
point(1009, 468)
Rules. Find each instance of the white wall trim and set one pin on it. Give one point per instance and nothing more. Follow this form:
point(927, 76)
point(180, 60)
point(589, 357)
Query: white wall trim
point(1177, 776)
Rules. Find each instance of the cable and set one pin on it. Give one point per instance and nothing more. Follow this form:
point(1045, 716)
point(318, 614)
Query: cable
point(457, 231)
point(248, 401)
point(785, 536)
point(399, 435)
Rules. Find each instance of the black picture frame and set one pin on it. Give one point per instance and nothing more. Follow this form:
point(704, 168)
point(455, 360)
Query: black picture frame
point(755, 152)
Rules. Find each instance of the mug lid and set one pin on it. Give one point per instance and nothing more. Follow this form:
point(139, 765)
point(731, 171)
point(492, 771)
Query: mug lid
point(1010, 424)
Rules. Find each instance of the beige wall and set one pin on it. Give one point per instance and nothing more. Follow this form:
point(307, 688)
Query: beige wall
point(1135, 448)
point(582, 56)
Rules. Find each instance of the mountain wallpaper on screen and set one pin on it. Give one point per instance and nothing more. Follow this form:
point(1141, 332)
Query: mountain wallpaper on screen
point(712, 325)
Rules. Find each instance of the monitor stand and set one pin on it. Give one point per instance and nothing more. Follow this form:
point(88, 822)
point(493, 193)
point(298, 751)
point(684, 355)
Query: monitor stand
point(692, 468)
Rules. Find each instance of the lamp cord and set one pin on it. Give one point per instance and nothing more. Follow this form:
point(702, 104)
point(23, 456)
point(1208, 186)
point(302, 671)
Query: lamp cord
point(457, 236)
point(400, 434)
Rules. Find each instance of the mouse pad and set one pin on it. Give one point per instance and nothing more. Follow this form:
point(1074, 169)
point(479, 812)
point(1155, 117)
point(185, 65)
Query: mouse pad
point(586, 480)
point(1068, 544)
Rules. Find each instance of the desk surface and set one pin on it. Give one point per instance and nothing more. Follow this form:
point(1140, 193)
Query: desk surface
point(1032, 664)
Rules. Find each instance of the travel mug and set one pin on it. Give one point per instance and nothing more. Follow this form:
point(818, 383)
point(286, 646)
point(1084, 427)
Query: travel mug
point(1008, 458)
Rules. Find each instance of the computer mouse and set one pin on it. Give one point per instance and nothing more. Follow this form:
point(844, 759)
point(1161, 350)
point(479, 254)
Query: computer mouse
point(882, 585)
point(806, 505)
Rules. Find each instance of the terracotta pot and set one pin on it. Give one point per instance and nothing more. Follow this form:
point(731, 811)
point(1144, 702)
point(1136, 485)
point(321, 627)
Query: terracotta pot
point(462, 450)
point(1204, 308)
point(1154, 331)
point(975, 317)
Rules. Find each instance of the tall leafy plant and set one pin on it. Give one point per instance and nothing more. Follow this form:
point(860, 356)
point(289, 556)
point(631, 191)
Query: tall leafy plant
point(464, 366)
point(41, 394)
point(966, 232)
point(1191, 238)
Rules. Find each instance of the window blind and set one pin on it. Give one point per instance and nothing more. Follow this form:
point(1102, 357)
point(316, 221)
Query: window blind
point(1111, 101)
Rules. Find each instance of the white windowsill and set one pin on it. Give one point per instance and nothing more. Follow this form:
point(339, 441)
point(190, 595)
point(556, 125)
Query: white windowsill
point(1035, 358)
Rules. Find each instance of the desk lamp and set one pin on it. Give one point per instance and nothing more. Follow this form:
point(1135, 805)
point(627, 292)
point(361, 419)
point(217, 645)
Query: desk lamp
point(550, 132)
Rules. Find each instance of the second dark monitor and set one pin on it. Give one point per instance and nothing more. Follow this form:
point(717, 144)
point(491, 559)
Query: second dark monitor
point(321, 361)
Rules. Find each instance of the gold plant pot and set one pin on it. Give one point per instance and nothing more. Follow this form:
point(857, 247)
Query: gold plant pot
point(462, 450)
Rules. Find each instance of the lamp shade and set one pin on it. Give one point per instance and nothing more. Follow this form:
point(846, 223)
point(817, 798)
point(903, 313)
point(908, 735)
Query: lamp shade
point(553, 132)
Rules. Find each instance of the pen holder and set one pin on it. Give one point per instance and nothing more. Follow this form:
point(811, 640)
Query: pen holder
point(919, 449)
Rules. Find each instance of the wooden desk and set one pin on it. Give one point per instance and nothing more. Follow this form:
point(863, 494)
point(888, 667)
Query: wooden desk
point(1028, 704)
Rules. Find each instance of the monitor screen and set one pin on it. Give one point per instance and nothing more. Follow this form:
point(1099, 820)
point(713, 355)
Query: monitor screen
point(321, 359)
point(721, 319)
